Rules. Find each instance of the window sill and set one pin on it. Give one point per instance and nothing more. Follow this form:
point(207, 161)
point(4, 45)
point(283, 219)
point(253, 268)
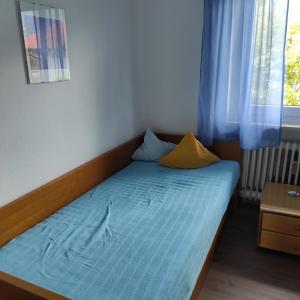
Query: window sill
point(291, 116)
point(291, 126)
point(291, 132)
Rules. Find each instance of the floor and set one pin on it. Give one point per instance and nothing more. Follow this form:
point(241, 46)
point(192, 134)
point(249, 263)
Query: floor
point(242, 271)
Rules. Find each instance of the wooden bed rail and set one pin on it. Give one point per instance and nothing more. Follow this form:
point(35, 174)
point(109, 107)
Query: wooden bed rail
point(30, 209)
point(13, 288)
point(23, 213)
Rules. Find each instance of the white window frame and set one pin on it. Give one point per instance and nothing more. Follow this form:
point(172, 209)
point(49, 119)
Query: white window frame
point(291, 115)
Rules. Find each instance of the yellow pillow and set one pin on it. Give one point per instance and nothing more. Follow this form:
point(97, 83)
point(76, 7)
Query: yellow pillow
point(188, 154)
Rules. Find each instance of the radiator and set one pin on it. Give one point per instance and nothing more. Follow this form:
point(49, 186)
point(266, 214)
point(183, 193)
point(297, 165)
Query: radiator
point(280, 164)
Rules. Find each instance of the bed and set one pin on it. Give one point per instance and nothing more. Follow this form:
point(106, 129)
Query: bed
point(143, 233)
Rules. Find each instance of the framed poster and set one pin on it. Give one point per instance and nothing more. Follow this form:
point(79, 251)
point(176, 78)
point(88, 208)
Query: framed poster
point(45, 42)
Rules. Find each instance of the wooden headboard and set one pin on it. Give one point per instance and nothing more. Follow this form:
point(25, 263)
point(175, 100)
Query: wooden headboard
point(227, 151)
point(23, 213)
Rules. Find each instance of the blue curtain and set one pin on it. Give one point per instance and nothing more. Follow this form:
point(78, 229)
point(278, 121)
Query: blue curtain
point(242, 72)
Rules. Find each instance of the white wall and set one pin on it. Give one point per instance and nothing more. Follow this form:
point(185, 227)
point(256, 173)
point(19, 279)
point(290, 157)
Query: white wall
point(49, 129)
point(167, 49)
point(134, 63)
point(167, 53)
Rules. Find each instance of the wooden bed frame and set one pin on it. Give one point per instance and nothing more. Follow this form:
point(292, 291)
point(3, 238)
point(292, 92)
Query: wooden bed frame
point(30, 209)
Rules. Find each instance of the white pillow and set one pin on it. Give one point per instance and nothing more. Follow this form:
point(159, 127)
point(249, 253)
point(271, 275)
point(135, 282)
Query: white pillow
point(153, 148)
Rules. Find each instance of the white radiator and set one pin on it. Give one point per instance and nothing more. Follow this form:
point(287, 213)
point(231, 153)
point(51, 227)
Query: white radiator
point(280, 164)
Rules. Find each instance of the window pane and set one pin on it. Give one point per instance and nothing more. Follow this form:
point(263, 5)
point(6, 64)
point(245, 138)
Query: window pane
point(292, 76)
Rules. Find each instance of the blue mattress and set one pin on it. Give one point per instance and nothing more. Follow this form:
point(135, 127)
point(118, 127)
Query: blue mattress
point(144, 233)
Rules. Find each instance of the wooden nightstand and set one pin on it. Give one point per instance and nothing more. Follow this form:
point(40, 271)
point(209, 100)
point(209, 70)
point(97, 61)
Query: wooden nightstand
point(279, 225)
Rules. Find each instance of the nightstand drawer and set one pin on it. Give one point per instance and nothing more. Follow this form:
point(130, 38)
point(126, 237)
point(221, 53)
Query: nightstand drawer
point(280, 242)
point(281, 223)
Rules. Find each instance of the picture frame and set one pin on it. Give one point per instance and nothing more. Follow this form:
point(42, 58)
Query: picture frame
point(45, 42)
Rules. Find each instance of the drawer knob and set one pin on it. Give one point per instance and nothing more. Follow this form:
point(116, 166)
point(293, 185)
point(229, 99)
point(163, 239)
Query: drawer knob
point(295, 247)
point(297, 227)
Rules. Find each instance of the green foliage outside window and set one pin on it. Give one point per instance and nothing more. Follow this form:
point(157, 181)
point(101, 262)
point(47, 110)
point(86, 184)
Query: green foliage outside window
point(292, 76)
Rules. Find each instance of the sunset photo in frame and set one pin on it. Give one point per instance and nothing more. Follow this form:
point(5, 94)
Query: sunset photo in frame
point(45, 42)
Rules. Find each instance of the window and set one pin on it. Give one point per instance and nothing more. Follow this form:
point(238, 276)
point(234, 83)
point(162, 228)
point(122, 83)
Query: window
point(291, 113)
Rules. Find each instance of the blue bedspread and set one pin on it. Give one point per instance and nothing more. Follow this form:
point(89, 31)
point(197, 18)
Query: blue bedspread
point(144, 233)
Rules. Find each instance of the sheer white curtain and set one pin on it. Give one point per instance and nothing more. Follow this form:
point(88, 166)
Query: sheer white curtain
point(242, 71)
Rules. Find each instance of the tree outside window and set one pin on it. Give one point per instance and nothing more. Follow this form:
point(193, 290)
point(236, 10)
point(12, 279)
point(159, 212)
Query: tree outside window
point(292, 75)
